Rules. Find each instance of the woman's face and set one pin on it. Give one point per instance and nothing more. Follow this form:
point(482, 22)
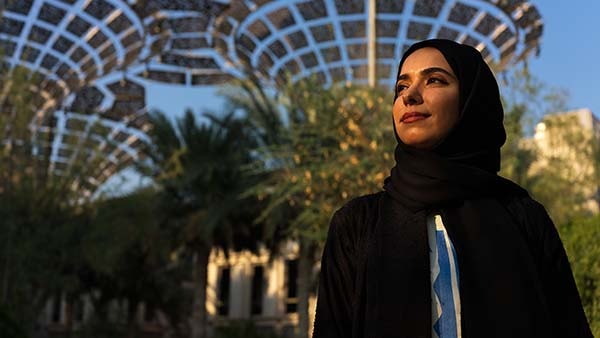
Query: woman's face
point(427, 106)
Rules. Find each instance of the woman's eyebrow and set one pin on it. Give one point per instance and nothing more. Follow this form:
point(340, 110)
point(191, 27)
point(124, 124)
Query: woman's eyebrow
point(427, 71)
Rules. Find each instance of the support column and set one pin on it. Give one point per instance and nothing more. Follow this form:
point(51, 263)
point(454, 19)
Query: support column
point(371, 45)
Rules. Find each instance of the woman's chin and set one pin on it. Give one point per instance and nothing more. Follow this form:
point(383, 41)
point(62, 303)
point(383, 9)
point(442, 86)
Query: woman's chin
point(422, 143)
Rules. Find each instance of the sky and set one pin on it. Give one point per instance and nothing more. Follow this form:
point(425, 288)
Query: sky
point(569, 59)
point(570, 50)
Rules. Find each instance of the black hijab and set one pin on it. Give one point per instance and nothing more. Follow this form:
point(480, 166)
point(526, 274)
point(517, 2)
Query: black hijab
point(499, 287)
point(469, 157)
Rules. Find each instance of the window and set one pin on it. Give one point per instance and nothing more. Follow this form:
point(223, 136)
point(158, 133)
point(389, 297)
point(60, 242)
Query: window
point(258, 286)
point(291, 304)
point(223, 291)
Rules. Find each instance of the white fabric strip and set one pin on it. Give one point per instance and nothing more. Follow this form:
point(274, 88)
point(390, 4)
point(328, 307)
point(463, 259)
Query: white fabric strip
point(445, 305)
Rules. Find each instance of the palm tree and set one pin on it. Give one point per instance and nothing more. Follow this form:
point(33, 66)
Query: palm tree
point(200, 168)
point(316, 150)
point(127, 255)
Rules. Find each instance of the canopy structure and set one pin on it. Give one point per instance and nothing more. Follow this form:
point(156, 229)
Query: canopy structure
point(96, 57)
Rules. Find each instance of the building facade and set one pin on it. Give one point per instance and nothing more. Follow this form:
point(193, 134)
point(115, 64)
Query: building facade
point(567, 143)
point(256, 287)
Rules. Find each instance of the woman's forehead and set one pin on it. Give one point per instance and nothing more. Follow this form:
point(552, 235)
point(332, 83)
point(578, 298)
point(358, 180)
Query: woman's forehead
point(423, 58)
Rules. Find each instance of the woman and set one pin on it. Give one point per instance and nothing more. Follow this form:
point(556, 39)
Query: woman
point(449, 248)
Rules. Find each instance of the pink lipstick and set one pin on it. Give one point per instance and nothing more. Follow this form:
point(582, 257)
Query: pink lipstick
point(413, 117)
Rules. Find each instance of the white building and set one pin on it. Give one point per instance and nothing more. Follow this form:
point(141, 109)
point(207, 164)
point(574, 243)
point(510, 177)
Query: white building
point(247, 286)
point(240, 286)
point(568, 143)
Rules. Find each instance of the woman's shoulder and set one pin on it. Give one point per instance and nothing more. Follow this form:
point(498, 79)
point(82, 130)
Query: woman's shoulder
point(531, 217)
point(527, 209)
point(356, 217)
point(364, 204)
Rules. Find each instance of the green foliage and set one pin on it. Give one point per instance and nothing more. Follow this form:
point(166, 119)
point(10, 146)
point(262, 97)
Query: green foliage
point(127, 254)
point(9, 327)
point(526, 100)
point(565, 175)
point(55, 241)
point(317, 150)
point(200, 170)
point(517, 158)
point(560, 169)
point(559, 166)
point(580, 238)
point(522, 90)
point(41, 214)
point(39, 259)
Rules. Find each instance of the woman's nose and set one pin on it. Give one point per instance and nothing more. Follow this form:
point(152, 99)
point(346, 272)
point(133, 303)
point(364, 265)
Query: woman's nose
point(411, 96)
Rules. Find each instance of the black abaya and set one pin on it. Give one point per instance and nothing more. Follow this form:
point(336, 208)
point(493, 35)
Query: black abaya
point(515, 280)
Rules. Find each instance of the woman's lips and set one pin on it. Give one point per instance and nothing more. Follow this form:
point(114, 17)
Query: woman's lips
point(413, 117)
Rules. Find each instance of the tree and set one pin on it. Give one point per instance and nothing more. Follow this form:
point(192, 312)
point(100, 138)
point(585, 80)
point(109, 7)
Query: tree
point(39, 209)
point(565, 176)
point(45, 215)
point(127, 256)
point(517, 155)
point(560, 169)
point(561, 160)
point(199, 168)
point(317, 150)
point(581, 238)
point(526, 100)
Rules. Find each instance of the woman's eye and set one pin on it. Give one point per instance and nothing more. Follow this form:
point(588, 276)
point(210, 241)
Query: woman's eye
point(400, 87)
point(435, 80)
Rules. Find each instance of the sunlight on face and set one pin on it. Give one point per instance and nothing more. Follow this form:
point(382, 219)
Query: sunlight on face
point(427, 107)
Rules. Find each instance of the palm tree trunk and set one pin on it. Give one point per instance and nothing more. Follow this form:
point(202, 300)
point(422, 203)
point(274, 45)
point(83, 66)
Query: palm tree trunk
point(305, 262)
point(198, 325)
